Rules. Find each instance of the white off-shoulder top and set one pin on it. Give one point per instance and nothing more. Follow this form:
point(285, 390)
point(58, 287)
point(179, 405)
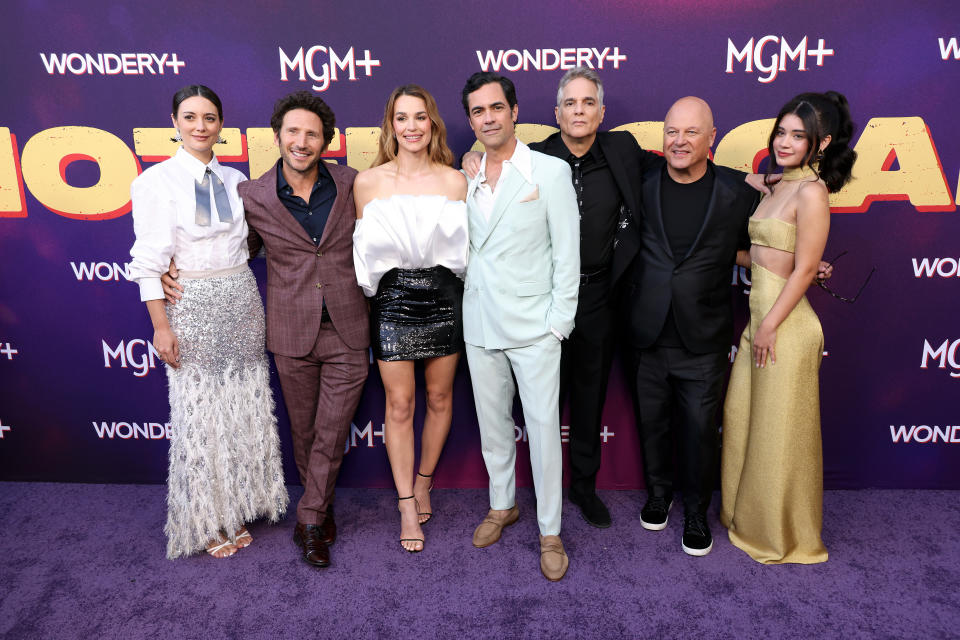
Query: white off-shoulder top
point(409, 232)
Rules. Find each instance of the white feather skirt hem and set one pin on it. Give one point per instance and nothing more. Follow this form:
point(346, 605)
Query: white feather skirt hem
point(225, 466)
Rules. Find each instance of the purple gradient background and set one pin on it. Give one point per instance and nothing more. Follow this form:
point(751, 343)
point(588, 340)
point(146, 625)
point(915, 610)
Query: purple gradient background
point(887, 62)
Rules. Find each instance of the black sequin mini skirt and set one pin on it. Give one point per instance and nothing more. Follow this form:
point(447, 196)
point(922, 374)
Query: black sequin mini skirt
point(416, 314)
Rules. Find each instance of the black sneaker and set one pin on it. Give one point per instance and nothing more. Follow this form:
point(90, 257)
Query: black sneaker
point(592, 509)
point(655, 513)
point(697, 540)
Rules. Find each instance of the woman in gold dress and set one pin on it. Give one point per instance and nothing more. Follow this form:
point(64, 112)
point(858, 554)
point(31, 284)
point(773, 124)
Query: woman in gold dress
point(772, 463)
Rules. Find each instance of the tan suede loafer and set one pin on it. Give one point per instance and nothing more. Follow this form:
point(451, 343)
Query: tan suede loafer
point(489, 530)
point(553, 559)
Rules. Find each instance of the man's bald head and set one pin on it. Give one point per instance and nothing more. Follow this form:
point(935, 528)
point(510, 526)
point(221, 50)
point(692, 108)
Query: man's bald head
point(691, 107)
point(688, 134)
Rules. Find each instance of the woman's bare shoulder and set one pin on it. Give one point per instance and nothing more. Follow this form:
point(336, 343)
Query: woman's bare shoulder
point(455, 183)
point(370, 182)
point(813, 194)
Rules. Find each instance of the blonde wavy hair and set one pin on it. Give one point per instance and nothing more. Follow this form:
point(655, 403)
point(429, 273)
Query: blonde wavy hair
point(437, 149)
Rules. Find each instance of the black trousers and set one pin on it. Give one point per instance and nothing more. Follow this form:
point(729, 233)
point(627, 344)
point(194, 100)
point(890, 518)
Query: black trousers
point(678, 394)
point(584, 371)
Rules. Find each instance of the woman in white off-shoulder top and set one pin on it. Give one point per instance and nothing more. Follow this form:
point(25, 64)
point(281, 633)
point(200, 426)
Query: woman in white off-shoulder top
point(410, 251)
point(225, 467)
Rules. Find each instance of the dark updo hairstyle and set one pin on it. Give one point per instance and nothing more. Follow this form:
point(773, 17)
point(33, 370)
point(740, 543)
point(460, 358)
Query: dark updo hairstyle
point(822, 114)
point(196, 90)
point(191, 91)
point(309, 102)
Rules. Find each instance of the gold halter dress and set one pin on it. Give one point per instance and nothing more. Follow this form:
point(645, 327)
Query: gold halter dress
point(771, 462)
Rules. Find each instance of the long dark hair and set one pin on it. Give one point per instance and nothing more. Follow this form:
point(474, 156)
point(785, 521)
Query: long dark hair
point(822, 115)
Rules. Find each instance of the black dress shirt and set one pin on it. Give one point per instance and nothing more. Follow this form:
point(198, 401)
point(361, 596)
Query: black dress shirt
point(312, 215)
point(598, 199)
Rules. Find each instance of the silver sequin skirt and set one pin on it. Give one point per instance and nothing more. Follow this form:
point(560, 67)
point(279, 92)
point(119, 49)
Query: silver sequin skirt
point(225, 466)
point(417, 314)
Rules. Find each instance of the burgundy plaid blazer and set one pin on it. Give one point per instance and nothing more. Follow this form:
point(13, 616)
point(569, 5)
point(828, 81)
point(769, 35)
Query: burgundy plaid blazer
point(301, 276)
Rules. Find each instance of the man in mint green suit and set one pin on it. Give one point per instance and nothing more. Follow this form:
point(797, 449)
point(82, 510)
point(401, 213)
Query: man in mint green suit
point(519, 301)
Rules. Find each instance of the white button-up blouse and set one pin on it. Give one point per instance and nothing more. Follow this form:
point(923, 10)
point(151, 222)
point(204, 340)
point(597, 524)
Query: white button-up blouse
point(164, 222)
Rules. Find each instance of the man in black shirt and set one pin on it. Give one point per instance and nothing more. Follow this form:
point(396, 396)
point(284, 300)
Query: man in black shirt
point(605, 167)
point(694, 224)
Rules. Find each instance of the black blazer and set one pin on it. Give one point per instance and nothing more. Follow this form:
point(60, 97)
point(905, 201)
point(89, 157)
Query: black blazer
point(626, 161)
point(699, 285)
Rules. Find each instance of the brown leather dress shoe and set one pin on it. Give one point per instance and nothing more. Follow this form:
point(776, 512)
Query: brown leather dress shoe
point(328, 528)
point(490, 529)
point(553, 559)
point(310, 540)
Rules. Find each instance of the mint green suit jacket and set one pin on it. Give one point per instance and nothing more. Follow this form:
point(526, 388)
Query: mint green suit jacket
point(523, 273)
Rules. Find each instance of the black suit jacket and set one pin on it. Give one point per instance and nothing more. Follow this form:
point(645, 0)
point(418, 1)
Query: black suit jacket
point(626, 161)
point(698, 285)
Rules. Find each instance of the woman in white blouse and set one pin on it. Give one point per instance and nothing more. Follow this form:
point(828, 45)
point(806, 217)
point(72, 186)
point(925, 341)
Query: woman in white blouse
point(225, 467)
point(410, 246)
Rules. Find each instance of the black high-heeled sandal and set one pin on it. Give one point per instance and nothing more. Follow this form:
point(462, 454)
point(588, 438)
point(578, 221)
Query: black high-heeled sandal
point(429, 514)
point(402, 540)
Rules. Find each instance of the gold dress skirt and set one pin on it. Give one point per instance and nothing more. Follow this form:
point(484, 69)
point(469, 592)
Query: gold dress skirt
point(772, 462)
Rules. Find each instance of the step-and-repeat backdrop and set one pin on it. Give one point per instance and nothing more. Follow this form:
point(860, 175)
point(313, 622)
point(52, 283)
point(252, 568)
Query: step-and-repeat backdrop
point(86, 99)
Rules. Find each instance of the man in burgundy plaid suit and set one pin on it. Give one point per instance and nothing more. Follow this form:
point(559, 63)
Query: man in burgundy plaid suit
point(302, 211)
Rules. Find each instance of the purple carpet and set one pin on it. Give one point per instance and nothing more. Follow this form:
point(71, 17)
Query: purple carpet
point(87, 561)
